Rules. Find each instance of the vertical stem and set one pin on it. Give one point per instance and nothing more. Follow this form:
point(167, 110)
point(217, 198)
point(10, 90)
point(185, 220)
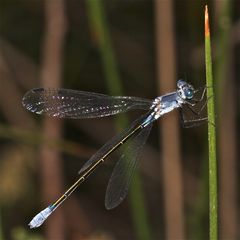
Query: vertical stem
point(50, 164)
point(171, 161)
point(100, 28)
point(213, 203)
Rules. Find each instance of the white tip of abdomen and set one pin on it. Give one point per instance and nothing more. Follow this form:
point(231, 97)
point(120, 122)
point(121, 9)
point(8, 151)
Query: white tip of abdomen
point(40, 217)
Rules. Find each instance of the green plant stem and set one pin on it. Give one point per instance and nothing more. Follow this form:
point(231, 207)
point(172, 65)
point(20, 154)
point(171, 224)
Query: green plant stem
point(99, 27)
point(36, 138)
point(213, 193)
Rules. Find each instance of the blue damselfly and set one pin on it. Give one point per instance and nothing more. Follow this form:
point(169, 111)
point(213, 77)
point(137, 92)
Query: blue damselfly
point(65, 103)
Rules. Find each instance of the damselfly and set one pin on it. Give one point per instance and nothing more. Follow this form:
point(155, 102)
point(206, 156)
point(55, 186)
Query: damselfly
point(65, 103)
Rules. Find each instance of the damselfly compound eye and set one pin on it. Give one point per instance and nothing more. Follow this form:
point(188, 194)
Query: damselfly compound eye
point(188, 93)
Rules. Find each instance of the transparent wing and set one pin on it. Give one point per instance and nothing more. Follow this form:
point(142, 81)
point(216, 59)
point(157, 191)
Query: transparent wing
point(110, 144)
point(196, 115)
point(66, 103)
point(122, 174)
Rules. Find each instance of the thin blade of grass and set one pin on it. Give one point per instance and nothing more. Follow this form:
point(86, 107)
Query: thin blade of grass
point(99, 25)
point(213, 193)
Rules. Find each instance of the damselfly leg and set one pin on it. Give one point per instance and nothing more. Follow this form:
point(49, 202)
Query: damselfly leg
point(194, 112)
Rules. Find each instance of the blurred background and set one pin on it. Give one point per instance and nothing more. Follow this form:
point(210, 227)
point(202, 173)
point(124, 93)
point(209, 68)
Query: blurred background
point(137, 48)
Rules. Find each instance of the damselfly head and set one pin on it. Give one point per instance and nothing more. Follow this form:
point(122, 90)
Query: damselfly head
point(185, 90)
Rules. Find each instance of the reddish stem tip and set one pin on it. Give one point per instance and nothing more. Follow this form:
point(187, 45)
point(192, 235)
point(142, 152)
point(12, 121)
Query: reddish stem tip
point(207, 31)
